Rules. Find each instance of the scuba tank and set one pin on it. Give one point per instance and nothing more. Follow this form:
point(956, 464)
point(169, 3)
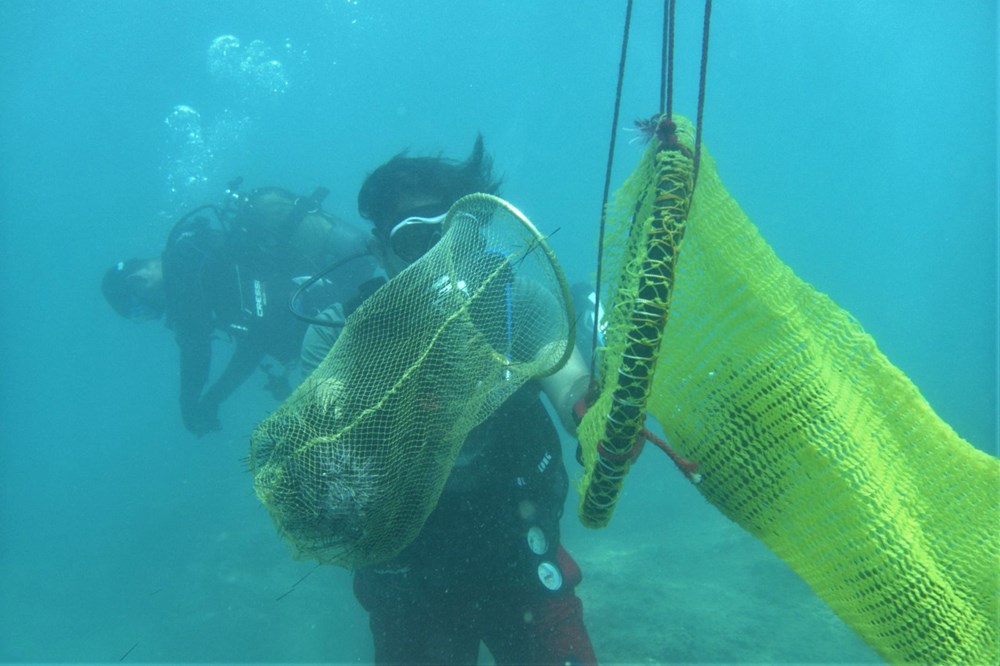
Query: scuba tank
point(209, 216)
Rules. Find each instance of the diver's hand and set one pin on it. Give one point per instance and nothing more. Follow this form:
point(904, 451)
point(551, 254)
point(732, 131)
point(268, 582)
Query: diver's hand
point(202, 418)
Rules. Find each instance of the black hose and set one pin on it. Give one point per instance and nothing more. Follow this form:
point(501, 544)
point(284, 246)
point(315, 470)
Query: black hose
point(313, 280)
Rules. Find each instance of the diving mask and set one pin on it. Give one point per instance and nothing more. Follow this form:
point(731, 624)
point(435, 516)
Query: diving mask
point(412, 237)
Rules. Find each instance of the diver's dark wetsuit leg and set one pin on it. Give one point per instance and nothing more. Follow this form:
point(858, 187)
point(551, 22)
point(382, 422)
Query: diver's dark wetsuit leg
point(540, 627)
point(409, 627)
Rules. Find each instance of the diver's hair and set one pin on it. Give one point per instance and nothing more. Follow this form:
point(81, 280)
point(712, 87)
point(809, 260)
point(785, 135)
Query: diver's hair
point(404, 177)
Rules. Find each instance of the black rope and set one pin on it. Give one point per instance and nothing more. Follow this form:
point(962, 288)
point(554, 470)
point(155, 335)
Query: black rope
point(304, 287)
point(607, 186)
point(701, 88)
point(663, 58)
point(666, 101)
point(667, 74)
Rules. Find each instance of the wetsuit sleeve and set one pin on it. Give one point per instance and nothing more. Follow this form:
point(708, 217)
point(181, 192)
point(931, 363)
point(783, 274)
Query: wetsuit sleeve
point(191, 318)
point(242, 364)
point(187, 268)
point(196, 360)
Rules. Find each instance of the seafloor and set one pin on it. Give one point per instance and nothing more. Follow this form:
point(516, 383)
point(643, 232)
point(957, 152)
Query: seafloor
point(710, 594)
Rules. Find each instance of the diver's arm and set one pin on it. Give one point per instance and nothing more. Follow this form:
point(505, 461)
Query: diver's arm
point(567, 386)
point(186, 272)
point(196, 360)
point(243, 363)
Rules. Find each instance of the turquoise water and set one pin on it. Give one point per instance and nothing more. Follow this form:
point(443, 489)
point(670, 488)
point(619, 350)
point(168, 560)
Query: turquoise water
point(860, 137)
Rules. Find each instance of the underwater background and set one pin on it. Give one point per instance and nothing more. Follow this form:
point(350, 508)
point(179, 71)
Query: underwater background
point(859, 136)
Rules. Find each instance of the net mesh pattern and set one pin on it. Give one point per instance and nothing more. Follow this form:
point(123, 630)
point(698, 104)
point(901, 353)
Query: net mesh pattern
point(807, 436)
point(351, 465)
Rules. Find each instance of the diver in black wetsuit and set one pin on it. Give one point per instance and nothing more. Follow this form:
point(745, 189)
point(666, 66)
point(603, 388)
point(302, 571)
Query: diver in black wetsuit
point(488, 565)
point(234, 270)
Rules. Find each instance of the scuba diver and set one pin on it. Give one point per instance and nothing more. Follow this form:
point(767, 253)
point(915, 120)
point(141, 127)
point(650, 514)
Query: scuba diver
point(233, 268)
point(487, 565)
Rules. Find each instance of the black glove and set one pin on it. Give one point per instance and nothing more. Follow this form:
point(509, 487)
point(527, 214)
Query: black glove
point(202, 418)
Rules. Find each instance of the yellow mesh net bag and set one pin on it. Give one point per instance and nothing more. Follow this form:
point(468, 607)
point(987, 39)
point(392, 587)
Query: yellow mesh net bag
point(351, 465)
point(804, 433)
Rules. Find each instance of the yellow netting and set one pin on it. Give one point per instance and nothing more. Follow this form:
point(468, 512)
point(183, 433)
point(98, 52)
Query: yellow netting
point(351, 465)
point(809, 438)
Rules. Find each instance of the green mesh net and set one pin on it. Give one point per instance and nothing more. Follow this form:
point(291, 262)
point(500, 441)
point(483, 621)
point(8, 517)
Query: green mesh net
point(805, 434)
point(351, 465)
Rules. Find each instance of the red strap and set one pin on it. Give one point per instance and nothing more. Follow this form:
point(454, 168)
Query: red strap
point(688, 467)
